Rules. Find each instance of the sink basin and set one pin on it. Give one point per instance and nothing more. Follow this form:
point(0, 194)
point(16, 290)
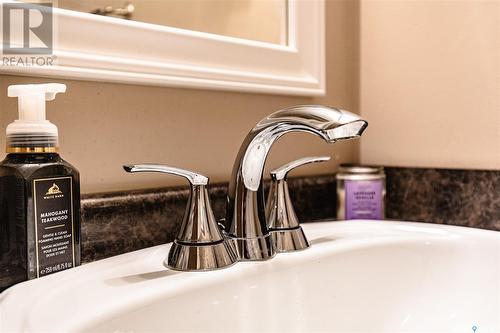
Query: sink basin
point(358, 276)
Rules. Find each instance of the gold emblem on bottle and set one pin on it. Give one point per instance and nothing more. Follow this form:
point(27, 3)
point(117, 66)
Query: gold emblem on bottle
point(54, 189)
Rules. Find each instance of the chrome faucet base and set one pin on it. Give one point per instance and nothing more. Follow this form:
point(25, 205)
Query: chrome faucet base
point(200, 257)
point(249, 249)
point(289, 240)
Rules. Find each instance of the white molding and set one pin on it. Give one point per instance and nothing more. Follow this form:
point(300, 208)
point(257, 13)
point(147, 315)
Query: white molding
point(98, 48)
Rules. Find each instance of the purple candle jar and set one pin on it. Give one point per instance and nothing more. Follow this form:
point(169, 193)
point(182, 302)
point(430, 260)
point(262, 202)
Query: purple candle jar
point(360, 192)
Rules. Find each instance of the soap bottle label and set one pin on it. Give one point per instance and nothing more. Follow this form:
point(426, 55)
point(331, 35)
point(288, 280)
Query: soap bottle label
point(363, 199)
point(54, 234)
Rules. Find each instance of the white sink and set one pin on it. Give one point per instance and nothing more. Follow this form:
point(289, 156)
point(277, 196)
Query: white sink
point(358, 276)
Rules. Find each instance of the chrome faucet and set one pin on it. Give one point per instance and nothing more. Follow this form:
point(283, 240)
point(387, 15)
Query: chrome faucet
point(245, 234)
point(245, 224)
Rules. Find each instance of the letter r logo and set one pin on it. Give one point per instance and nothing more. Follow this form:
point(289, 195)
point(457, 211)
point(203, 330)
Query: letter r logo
point(27, 28)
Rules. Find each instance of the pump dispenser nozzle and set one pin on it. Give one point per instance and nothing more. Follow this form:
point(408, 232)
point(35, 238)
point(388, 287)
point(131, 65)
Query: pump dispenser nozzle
point(32, 133)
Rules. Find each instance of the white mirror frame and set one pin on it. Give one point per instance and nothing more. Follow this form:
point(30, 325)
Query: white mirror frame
point(99, 48)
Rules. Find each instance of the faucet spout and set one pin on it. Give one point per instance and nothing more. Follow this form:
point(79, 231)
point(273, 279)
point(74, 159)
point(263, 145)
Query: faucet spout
point(245, 223)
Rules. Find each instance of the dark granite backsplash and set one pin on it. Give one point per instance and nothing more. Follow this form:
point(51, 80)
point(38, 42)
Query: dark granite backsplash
point(120, 222)
point(469, 198)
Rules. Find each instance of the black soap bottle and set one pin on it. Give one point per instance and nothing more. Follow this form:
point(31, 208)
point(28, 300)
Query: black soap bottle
point(39, 194)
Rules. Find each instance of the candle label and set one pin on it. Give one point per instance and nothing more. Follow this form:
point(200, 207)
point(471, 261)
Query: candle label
point(364, 199)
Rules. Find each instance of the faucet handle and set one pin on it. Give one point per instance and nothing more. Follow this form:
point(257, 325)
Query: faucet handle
point(199, 245)
point(281, 172)
point(193, 177)
point(286, 233)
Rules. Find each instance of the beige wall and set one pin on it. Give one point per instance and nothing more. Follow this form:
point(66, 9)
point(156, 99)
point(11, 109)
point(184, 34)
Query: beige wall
point(105, 125)
point(430, 83)
point(429, 87)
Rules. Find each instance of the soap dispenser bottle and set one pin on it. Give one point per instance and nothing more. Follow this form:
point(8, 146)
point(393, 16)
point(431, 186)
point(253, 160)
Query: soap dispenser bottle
point(39, 194)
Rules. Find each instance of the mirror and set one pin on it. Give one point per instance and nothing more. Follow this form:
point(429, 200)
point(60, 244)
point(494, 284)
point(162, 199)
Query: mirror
point(259, 20)
point(260, 46)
